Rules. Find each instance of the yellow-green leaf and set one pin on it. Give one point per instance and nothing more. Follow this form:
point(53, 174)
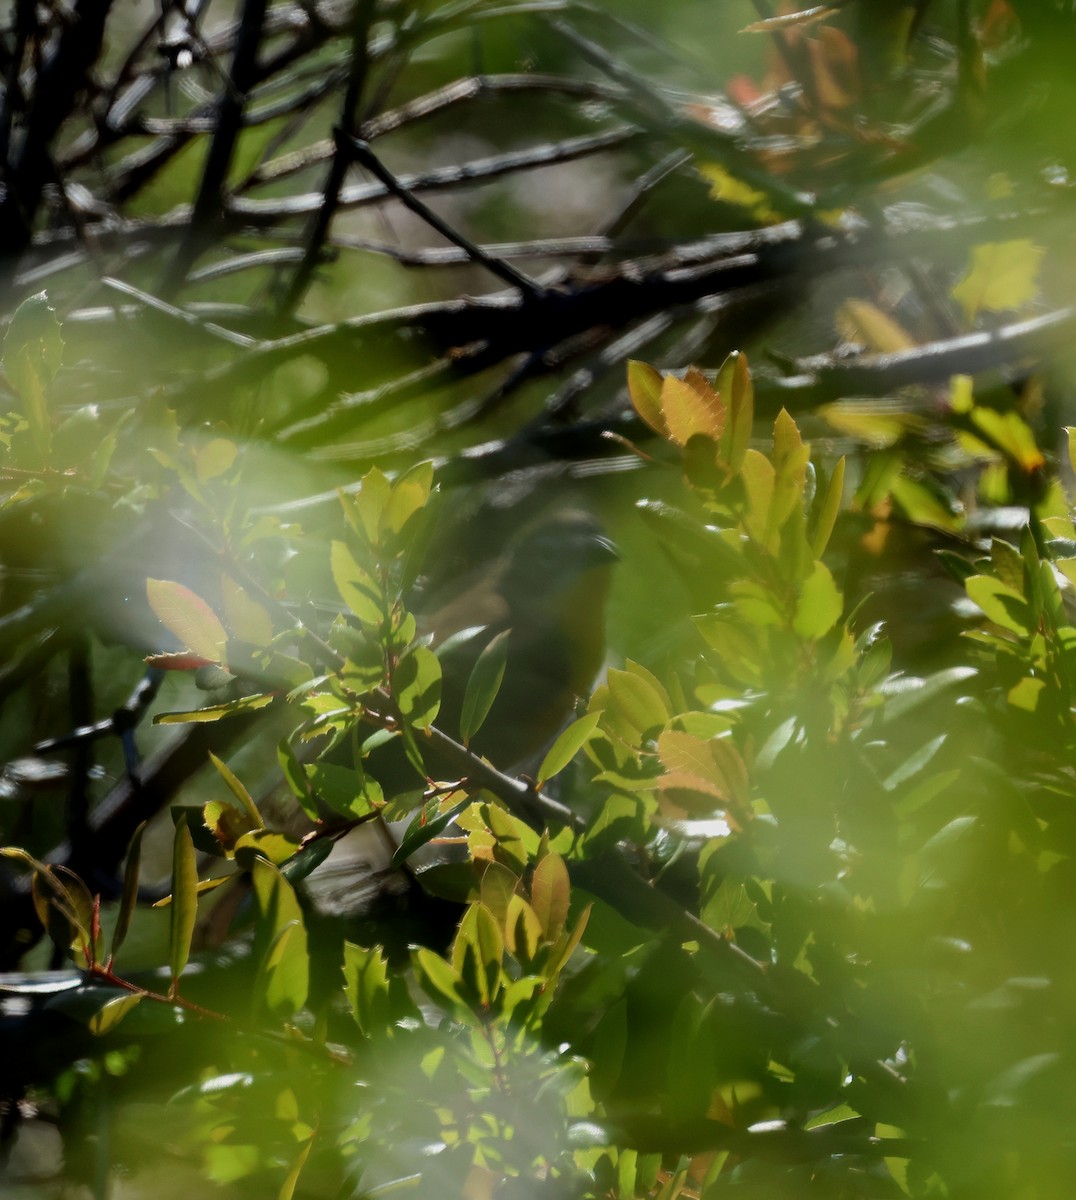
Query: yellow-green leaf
point(247, 619)
point(637, 700)
point(283, 976)
point(215, 712)
point(550, 894)
point(827, 513)
point(644, 388)
point(736, 390)
point(187, 616)
point(416, 686)
point(109, 1015)
point(184, 908)
point(567, 745)
point(357, 587)
point(1002, 604)
point(1002, 275)
point(861, 321)
point(819, 606)
point(238, 791)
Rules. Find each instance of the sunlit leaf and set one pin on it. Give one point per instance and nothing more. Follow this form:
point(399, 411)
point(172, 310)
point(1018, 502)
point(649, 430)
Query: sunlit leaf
point(214, 458)
point(567, 745)
point(1002, 275)
point(819, 606)
point(357, 587)
point(637, 700)
point(644, 388)
point(861, 321)
point(186, 615)
point(1003, 605)
point(830, 507)
point(215, 712)
point(283, 973)
point(246, 618)
point(724, 186)
point(478, 951)
point(184, 907)
point(550, 894)
point(109, 1015)
point(689, 411)
point(416, 686)
point(737, 391)
point(409, 495)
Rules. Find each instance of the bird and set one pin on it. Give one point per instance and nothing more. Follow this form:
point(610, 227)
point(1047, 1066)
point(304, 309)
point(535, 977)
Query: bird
point(547, 592)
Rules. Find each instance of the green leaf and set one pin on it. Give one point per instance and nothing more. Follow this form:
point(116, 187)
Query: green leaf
point(409, 495)
point(730, 908)
point(483, 685)
point(33, 352)
point(1002, 275)
point(637, 700)
point(758, 477)
point(1011, 434)
point(905, 694)
point(644, 388)
point(344, 790)
point(567, 745)
point(284, 966)
point(819, 606)
point(287, 1188)
point(497, 888)
point(188, 617)
point(827, 513)
point(790, 457)
point(184, 907)
point(427, 824)
point(270, 844)
point(715, 764)
point(244, 797)
point(366, 985)
point(246, 618)
point(522, 930)
point(357, 587)
point(478, 952)
point(214, 458)
point(440, 981)
point(215, 712)
point(416, 686)
point(109, 1015)
point(365, 509)
point(550, 894)
point(1002, 604)
point(129, 896)
point(297, 779)
point(735, 388)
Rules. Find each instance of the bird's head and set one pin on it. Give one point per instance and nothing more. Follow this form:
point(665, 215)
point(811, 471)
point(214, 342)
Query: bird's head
point(554, 563)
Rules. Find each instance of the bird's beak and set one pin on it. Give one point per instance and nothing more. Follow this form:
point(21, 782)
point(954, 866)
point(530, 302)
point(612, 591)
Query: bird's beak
point(603, 551)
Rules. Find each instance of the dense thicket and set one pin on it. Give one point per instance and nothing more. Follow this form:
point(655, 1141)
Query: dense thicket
point(310, 310)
